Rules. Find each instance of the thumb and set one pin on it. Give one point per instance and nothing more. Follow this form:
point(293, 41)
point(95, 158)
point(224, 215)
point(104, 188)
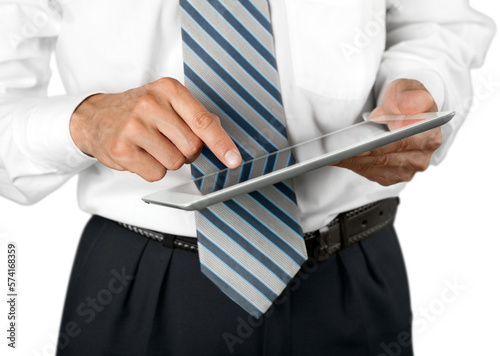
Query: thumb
point(415, 101)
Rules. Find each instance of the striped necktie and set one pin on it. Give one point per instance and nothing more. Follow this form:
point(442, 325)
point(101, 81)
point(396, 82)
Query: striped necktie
point(253, 245)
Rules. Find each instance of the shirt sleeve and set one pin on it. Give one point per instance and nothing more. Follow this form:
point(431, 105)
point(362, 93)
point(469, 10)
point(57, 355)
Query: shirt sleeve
point(37, 154)
point(436, 43)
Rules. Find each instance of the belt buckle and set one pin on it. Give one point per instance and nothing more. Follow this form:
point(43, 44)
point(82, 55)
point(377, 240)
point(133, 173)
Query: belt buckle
point(327, 243)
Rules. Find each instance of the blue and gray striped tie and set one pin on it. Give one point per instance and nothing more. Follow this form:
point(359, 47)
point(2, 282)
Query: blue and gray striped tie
point(250, 246)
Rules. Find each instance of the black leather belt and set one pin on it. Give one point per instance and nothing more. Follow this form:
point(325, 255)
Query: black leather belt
point(350, 227)
point(169, 240)
point(345, 230)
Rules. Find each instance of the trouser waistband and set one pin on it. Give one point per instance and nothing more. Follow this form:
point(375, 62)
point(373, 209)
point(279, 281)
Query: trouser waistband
point(345, 230)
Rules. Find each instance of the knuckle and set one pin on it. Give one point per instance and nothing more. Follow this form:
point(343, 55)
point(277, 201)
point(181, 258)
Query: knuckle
point(421, 165)
point(435, 142)
point(193, 148)
point(132, 127)
point(384, 181)
point(354, 165)
point(220, 145)
point(155, 175)
point(145, 102)
point(404, 145)
point(408, 176)
point(203, 120)
point(167, 82)
point(420, 162)
point(361, 168)
point(176, 162)
point(405, 174)
point(120, 150)
point(168, 85)
point(382, 161)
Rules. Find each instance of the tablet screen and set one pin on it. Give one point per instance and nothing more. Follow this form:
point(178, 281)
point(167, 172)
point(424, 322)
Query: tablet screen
point(309, 155)
point(302, 152)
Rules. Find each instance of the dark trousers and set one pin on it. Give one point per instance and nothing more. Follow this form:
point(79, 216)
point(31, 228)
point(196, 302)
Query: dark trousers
point(129, 295)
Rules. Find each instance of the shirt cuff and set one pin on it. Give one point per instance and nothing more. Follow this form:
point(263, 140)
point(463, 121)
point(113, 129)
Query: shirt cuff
point(41, 130)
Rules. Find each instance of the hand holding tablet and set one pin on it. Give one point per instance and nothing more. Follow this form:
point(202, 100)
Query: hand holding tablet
point(337, 146)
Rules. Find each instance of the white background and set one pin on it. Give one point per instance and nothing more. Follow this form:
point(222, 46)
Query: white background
point(448, 223)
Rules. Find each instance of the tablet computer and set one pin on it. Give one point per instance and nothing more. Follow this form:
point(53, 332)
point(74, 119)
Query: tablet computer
point(334, 147)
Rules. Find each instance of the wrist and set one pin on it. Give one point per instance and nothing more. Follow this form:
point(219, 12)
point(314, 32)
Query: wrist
point(79, 122)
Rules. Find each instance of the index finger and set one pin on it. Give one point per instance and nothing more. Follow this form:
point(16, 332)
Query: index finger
point(206, 126)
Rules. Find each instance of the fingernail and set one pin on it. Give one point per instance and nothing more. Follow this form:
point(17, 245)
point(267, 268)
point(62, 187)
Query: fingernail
point(232, 158)
point(365, 154)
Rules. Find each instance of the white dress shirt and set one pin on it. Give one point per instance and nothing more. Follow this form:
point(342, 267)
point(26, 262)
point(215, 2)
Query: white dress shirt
point(334, 59)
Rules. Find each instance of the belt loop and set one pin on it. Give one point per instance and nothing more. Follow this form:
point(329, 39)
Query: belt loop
point(323, 234)
point(344, 232)
point(395, 203)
